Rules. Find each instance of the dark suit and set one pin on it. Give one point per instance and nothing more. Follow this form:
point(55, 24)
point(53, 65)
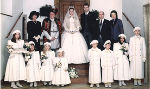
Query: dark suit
point(102, 32)
point(87, 27)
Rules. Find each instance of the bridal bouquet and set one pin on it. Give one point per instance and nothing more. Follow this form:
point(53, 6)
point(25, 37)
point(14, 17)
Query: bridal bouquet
point(124, 49)
point(73, 72)
point(10, 48)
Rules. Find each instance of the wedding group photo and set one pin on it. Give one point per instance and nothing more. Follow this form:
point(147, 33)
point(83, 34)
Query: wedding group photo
point(75, 44)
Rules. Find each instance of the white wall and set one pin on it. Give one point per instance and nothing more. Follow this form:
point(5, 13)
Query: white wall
point(28, 6)
point(107, 6)
point(134, 10)
point(6, 24)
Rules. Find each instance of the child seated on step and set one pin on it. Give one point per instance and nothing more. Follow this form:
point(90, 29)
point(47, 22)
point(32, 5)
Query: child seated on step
point(94, 66)
point(47, 69)
point(61, 75)
point(107, 64)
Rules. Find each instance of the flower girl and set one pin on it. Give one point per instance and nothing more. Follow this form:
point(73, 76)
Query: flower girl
point(107, 64)
point(33, 66)
point(122, 70)
point(47, 69)
point(61, 75)
point(15, 69)
point(137, 56)
point(94, 67)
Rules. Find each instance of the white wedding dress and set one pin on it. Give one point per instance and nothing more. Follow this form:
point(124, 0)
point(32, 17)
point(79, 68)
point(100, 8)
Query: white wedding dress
point(73, 43)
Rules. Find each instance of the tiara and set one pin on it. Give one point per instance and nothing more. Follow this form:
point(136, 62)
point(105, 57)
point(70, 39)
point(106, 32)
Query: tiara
point(71, 6)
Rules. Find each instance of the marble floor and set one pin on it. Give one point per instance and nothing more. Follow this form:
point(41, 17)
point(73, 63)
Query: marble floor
point(78, 86)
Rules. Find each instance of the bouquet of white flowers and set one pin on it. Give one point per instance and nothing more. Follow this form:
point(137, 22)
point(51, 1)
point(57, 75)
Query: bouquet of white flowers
point(44, 57)
point(26, 46)
point(28, 56)
point(10, 48)
point(73, 73)
point(124, 49)
point(58, 65)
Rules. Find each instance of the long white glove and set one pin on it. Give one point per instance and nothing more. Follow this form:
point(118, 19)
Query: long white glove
point(45, 33)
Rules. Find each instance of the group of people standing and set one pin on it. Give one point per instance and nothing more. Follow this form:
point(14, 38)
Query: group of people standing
point(109, 50)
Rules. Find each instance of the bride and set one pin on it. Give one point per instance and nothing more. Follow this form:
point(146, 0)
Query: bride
point(73, 43)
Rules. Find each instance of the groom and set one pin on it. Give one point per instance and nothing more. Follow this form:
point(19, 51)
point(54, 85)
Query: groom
point(87, 24)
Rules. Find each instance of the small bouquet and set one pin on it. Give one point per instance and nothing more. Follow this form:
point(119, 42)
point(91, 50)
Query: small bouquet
point(10, 48)
point(26, 46)
point(124, 49)
point(28, 56)
point(44, 57)
point(58, 65)
point(73, 72)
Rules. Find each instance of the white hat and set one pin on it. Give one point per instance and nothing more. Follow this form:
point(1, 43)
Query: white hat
point(47, 43)
point(31, 42)
point(108, 41)
point(93, 42)
point(16, 31)
point(122, 35)
point(60, 50)
point(136, 28)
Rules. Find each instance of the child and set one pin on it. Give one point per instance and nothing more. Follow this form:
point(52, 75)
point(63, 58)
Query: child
point(107, 64)
point(15, 69)
point(94, 67)
point(61, 76)
point(33, 66)
point(122, 70)
point(137, 56)
point(47, 68)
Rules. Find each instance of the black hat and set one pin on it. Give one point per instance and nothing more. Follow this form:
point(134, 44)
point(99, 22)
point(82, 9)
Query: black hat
point(33, 13)
point(54, 11)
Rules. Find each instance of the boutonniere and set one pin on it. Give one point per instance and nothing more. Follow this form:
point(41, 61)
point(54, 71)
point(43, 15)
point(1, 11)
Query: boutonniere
point(97, 19)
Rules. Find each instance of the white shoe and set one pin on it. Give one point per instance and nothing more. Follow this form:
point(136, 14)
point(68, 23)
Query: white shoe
point(50, 83)
point(106, 85)
point(135, 82)
point(13, 85)
point(35, 84)
point(123, 83)
point(139, 82)
point(97, 85)
point(120, 84)
point(109, 85)
point(31, 84)
point(18, 84)
point(44, 83)
point(91, 85)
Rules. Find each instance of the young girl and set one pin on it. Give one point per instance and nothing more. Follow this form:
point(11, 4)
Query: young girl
point(94, 67)
point(122, 70)
point(61, 76)
point(107, 64)
point(137, 56)
point(47, 68)
point(15, 69)
point(33, 66)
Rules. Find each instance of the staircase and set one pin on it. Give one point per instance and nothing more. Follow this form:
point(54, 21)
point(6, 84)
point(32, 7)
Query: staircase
point(83, 72)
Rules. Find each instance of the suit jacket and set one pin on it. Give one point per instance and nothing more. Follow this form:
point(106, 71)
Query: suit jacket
point(89, 20)
point(116, 29)
point(105, 30)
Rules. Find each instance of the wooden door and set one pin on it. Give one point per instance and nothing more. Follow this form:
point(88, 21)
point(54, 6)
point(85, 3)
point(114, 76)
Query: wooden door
point(64, 5)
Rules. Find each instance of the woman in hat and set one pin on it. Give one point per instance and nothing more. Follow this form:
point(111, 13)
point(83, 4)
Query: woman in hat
point(34, 29)
point(33, 66)
point(108, 64)
point(47, 68)
point(51, 28)
point(122, 71)
point(94, 66)
point(15, 69)
point(61, 75)
point(137, 56)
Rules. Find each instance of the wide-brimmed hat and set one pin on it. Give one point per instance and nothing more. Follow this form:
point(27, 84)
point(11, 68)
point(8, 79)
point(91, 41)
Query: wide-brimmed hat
point(33, 13)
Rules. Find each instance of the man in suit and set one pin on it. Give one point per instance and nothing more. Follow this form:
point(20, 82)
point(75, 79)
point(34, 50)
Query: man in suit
point(87, 24)
point(103, 30)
